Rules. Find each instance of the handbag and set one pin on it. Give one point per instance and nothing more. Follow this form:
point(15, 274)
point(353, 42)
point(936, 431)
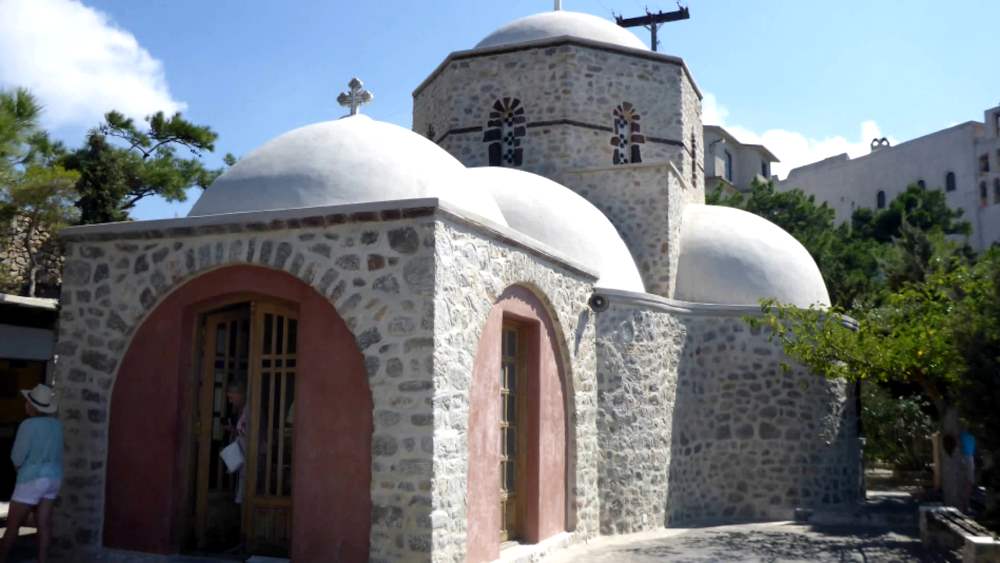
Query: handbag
point(232, 456)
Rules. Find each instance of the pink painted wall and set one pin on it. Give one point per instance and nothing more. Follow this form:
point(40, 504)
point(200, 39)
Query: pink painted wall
point(149, 452)
point(544, 486)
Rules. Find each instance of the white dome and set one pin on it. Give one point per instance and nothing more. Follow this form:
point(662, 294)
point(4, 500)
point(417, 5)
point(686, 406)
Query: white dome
point(351, 160)
point(729, 256)
point(558, 217)
point(560, 23)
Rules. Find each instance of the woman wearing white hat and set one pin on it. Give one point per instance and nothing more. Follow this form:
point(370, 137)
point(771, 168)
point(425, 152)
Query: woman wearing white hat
point(38, 456)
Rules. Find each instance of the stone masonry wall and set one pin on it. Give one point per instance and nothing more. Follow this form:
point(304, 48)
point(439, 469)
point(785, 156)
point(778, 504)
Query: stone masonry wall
point(471, 274)
point(643, 201)
point(752, 441)
point(699, 423)
point(638, 352)
point(569, 92)
point(14, 259)
point(379, 275)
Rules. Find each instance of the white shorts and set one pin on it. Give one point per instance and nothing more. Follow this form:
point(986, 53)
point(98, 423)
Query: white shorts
point(31, 492)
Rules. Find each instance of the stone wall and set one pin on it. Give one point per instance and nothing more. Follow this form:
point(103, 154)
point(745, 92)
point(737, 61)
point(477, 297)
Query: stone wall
point(638, 352)
point(569, 90)
point(752, 440)
point(471, 274)
point(378, 275)
point(644, 202)
point(14, 260)
point(698, 422)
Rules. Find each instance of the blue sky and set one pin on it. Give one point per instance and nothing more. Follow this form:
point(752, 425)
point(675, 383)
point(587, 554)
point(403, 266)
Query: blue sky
point(809, 79)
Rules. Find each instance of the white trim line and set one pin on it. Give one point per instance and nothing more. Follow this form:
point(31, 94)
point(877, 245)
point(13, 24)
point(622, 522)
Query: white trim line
point(32, 302)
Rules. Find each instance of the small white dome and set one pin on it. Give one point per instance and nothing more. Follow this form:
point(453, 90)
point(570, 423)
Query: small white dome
point(351, 160)
point(560, 23)
point(556, 216)
point(732, 257)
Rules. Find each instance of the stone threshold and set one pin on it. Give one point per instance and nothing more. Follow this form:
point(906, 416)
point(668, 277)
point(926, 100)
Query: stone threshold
point(528, 553)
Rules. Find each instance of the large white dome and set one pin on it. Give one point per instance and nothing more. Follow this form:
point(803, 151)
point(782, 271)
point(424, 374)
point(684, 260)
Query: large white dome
point(547, 25)
point(729, 256)
point(558, 217)
point(351, 160)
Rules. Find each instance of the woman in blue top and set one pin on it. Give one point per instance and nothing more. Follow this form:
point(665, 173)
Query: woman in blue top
point(38, 455)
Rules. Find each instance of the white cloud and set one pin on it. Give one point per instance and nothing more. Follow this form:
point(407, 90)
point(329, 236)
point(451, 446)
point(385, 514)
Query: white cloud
point(792, 148)
point(78, 63)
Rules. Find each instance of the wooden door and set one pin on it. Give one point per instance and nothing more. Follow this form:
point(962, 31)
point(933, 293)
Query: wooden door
point(225, 358)
point(268, 504)
point(512, 431)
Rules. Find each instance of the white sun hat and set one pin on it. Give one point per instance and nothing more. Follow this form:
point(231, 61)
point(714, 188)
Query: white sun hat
point(42, 398)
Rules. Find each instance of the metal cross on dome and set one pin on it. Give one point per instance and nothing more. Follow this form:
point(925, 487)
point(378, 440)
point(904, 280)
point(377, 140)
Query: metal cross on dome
point(355, 97)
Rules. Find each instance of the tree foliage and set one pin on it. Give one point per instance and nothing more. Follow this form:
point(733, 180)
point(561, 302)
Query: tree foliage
point(114, 177)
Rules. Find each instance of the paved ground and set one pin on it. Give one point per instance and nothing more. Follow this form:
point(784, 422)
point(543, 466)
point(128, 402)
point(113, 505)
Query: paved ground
point(773, 542)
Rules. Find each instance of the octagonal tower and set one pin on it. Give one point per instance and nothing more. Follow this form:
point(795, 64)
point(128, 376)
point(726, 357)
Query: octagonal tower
point(577, 99)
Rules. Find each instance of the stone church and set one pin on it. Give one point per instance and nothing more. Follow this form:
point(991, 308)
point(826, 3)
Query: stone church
point(515, 327)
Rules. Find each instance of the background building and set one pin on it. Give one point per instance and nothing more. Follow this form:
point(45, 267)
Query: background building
point(963, 160)
point(732, 163)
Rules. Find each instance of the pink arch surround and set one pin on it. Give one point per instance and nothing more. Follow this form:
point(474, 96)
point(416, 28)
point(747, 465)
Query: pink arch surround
point(545, 483)
point(148, 485)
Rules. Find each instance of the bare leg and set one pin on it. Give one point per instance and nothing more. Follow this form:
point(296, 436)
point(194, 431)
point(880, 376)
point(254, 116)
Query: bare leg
point(44, 517)
point(15, 517)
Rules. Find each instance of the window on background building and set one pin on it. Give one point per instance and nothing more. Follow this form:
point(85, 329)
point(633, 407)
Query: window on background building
point(504, 130)
point(880, 199)
point(729, 166)
point(922, 184)
point(983, 201)
point(984, 163)
point(626, 137)
point(996, 191)
point(949, 182)
point(765, 169)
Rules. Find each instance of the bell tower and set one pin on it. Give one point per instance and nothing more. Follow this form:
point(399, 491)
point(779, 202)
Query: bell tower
point(577, 99)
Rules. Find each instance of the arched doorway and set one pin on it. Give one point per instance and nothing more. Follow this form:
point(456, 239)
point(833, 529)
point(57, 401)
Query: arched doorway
point(311, 423)
point(517, 480)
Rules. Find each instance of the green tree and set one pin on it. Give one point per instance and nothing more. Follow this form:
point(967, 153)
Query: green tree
point(39, 202)
point(929, 333)
point(36, 197)
point(145, 162)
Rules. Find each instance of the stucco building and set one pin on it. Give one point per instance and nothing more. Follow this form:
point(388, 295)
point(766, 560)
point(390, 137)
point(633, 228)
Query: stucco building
point(963, 160)
point(733, 164)
point(515, 327)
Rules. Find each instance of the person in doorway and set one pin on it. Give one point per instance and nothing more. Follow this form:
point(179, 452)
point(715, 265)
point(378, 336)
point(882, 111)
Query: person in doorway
point(38, 457)
point(236, 394)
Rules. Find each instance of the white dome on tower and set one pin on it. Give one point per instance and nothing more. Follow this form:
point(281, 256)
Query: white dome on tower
point(556, 216)
point(729, 256)
point(560, 23)
point(351, 160)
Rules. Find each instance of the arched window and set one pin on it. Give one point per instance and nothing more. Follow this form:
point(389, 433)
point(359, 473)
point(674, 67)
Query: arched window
point(949, 182)
point(880, 199)
point(996, 191)
point(729, 166)
point(505, 128)
point(983, 201)
point(626, 138)
point(922, 184)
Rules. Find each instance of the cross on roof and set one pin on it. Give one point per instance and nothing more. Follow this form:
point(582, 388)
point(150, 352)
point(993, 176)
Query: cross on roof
point(355, 97)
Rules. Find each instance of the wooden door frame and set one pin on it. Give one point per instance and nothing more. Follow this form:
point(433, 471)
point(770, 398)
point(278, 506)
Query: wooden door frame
point(199, 312)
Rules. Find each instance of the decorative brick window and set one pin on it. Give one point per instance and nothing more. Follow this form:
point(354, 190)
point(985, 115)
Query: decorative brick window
point(949, 182)
point(626, 138)
point(505, 128)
